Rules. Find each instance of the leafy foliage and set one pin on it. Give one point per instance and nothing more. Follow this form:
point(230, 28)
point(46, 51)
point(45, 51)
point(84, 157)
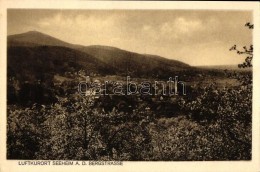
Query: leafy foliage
point(210, 123)
point(227, 112)
point(247, 51)
point(73, 129)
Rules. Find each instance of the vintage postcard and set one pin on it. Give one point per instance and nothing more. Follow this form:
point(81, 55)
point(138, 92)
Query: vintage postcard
point(129, 86)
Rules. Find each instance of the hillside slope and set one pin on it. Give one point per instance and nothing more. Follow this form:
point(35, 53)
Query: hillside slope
point(132, 63)
point(110, 59)
point(31, 63)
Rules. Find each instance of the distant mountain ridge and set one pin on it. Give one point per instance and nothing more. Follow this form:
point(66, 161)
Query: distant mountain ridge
point(224, 67)
point(112, 60)
point(35, 38)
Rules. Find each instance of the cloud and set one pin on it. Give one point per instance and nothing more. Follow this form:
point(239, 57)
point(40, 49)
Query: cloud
point(195, 37)
point(147, 28)
point(44, 23)
point(81, 29)
point(77, 22)
point(188, 25)
point(182, 26)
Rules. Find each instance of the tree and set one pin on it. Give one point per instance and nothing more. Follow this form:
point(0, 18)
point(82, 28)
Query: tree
point(227, 112)
point(247, 51)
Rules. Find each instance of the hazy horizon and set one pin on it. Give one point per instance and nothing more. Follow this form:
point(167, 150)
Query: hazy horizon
point(198, 38)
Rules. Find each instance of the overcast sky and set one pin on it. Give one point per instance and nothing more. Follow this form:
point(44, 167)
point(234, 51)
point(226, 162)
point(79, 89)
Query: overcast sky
point(194, 37)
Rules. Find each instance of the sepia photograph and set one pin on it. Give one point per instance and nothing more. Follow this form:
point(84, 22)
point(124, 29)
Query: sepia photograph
point(95, 85)
point(110, 86)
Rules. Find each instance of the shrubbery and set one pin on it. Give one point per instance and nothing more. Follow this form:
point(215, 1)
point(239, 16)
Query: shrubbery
point(210, 124)
point(74, 129)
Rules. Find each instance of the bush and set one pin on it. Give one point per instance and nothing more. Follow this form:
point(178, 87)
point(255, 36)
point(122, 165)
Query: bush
point(226, 113)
